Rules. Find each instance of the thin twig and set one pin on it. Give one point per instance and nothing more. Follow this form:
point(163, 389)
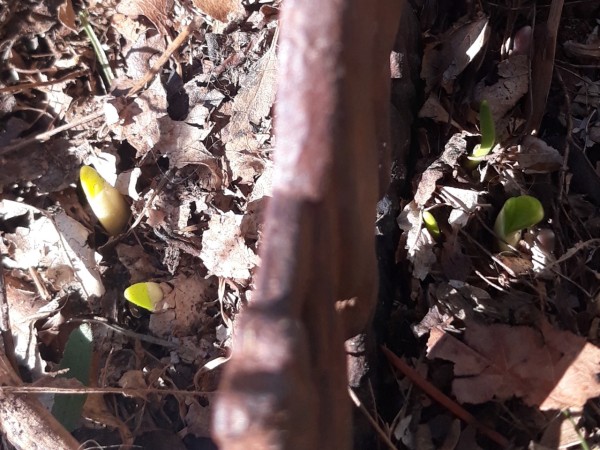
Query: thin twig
point(48, 134)
point(149, 75)
point(24, 86)
point(442, 398)
point(130, 392)
point(132, 334)
point(384, 437)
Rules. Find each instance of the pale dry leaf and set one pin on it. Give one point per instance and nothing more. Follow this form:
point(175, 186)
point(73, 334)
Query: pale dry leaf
point(466, 43)
point(589, 93)
point(182, 310)
point(512, 85)
point(535, 156)
point(59, 244)
point(157, 11)
point(142, 55)
point(24, 303)
point(222, 10)
point(128, 29)
point(182, 144)
point(464, 203)
point(137, 261)
point(433, 109)
point(133, 379)
point(95, 409)
point(224, 251)
point(251, 106)
point(138, 122)
point(548, 368)
point(456, 265)
point(454, 150)
point(255, 99)
point(444, 60)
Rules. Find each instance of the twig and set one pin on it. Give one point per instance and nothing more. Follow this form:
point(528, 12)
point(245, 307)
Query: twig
point(48, 134)
point(129, 333)
point(25, 422)
point(83, 390)
point(384, 437)
point(442, 398)
point(38, 84)
point(165, 56)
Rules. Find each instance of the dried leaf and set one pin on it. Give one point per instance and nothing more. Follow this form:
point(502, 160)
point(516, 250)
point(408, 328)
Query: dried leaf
point(512, 85)
point(454, 149)
point(59, 247)
point(66, 15)
point(224, 252)
point(181, 143)
point(250, 107)
point(182, 310)
point(221, 10)
point(535, 156)
point(549, 368)
point(446, 59)
point(157, 11)
point(433, 109)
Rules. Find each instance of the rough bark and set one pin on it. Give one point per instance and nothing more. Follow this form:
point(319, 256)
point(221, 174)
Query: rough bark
point(286, 384)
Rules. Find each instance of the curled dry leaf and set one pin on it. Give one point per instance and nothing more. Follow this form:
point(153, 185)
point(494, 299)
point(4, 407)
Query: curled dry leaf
point(157, 11)
point(445, 59)
point(512, 85)
point(535, 156)
point(222, 10)
point(546, 367)
point(66, 15)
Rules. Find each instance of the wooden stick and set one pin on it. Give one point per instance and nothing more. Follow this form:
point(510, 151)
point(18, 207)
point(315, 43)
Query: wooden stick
point(442, 398)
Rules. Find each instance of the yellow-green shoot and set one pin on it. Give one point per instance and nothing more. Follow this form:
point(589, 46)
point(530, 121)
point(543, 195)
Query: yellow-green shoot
point(431, 224)
point(108, 204)
point(488, 135)
point(146, 295)
point(517, 214)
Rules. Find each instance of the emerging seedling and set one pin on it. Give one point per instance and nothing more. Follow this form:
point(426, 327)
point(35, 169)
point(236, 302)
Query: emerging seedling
point(431, 224)
point(517, 214)
point(145, 295)
point(488, 134)
point(107, 203)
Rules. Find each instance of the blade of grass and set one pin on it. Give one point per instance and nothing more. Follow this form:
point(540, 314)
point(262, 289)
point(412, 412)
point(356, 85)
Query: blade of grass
point(107, 74)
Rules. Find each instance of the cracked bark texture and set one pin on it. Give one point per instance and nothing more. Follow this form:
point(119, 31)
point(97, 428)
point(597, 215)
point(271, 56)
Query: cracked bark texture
point(286, 384)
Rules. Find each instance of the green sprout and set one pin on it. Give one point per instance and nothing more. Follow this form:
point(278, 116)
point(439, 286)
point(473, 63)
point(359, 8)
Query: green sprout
point(145, 295)
point(431, 224)
point(108, 204)
point(517, 214)
point(488, 135)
